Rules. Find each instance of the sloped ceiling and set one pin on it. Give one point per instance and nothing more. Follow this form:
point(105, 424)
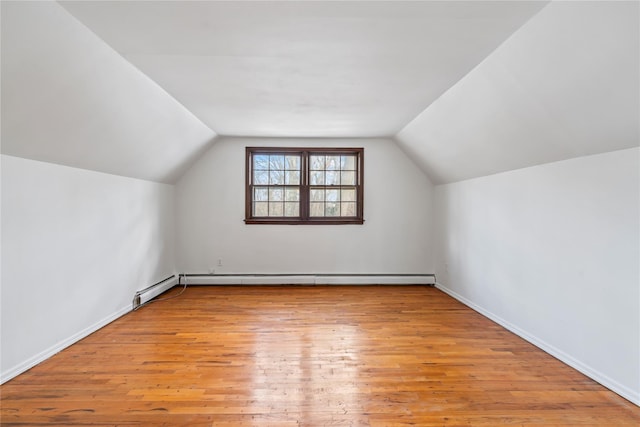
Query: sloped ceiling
point(68, 98)
point(468, 88)
point(307, 68)
point(564, 85)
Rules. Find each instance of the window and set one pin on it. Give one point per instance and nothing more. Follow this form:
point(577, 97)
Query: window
point(304, 185)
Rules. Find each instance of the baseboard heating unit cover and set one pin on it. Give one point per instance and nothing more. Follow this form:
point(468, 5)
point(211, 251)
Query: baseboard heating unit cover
point(311, 279)
point(147, 294)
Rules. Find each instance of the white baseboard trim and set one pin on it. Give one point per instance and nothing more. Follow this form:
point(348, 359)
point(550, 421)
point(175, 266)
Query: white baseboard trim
point(309, 279)
point(624, 391)
point(58, 347)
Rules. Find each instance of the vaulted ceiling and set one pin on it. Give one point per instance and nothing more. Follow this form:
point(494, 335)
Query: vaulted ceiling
point(317, 69)
point(466, 88)
point(564, 85)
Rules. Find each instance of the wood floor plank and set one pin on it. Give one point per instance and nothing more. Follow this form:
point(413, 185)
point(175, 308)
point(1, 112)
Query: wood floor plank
point(307, 356)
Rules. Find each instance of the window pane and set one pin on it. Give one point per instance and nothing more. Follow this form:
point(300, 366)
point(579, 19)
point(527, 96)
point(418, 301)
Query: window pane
point(333, 163)
point(260, 209)
point(333, 195)
point(261, 194)
point(332, 178)
point(348, 163)
point(292, 178)
point(316, 178)
point(348, 195)
point(332, 209)
point(348, 209)
point(316, 195)
point(276, 177)
point(276, 162)
point(260, 162)
point(316, 162)
point(292, 195)
point(261, 177)
point(331, 185)
point(291, 209)
point(348, 178)
point(276, 194)
point(292, 163)
point(276, 209)
point(316, 209)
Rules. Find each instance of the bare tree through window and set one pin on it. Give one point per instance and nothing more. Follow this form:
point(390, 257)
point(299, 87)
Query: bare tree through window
point(304, 185)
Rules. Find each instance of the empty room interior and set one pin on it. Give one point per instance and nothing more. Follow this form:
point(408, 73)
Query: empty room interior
point(320, 213)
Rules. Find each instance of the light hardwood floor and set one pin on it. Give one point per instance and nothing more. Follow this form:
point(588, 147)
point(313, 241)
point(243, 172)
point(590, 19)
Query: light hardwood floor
point(308, 356)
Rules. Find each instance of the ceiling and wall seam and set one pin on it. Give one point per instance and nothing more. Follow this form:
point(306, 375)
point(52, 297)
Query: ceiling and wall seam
point(69, 98)
point(87, 135)
point(472, 70)
point(564, 85)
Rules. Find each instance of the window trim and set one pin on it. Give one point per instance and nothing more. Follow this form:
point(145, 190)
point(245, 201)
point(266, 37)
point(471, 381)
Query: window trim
point(304, 186)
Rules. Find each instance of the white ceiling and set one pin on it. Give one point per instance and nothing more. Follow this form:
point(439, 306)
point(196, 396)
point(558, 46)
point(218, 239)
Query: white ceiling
point(319, 69)
point(467, 89)
point(68, 98)
point(566, 84)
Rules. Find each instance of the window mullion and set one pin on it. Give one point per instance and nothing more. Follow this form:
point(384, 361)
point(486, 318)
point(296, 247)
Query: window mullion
point(304, 185)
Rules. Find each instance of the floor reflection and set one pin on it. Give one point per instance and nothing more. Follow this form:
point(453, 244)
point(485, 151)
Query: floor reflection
point(301, 376)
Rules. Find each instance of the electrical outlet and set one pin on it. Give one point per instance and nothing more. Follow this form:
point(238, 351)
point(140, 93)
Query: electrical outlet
point(219, 262)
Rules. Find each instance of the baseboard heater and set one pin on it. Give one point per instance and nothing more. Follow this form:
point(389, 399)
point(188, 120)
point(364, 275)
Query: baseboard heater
point(149, 293)
point(311, 279)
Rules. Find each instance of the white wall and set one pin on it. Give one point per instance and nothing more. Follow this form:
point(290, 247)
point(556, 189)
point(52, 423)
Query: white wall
point(76, 245)
point(552, 252)
point(395, 237)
